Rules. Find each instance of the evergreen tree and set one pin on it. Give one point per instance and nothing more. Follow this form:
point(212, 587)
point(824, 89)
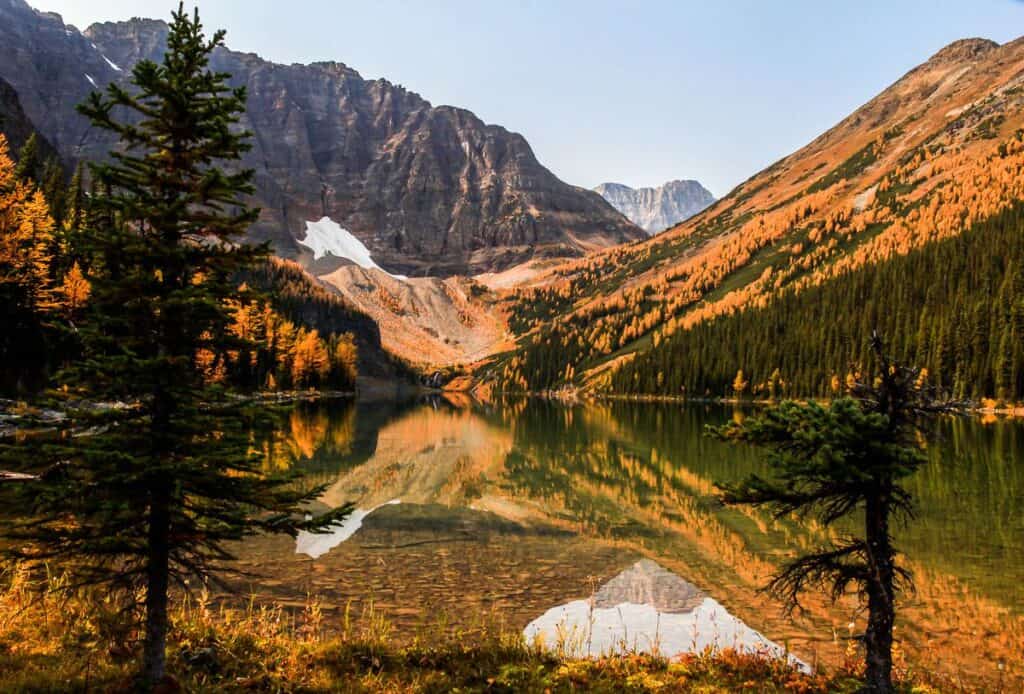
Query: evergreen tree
point(832, 462)
point(166, 481)
point(28, 157)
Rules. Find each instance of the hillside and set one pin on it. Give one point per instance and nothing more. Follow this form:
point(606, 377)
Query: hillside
point(954, 307)
point(937, 152)
point(430, 322)
point(16, 126)
point(429, 190)
point(657, 209)
point(300, 298)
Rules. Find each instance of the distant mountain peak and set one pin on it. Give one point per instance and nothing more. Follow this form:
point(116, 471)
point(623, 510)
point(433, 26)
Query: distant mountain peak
point(656, 209)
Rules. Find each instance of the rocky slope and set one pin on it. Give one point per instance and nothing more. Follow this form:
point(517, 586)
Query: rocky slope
point(936, 152)
point(428, 321)
point(656, 209)
point(429, 190)
point(16, 126)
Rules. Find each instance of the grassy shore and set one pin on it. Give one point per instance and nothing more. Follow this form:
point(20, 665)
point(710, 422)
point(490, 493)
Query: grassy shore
point(61, 641)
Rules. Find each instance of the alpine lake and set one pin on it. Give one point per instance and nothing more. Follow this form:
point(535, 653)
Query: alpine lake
point(596, 527)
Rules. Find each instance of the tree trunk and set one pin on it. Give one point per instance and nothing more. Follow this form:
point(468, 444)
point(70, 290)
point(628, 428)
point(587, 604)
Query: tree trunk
point(157, 583)
point(881, 607)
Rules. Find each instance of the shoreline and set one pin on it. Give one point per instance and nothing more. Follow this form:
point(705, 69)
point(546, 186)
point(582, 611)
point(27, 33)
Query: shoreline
point(575, 396)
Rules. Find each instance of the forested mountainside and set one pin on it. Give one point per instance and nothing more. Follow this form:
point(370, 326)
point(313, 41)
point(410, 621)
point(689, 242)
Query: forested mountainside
point(954, 307)
point(308, 336)
point(429, 190)
point(933, 155)
point(297, 296)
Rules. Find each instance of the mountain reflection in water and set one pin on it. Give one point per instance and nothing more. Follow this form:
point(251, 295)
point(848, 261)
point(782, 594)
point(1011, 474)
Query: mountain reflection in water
point(647, 608)
point(528, 510)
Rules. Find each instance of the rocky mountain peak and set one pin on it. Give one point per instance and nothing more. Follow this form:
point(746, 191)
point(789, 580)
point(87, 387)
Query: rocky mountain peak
point(656, 209)
point(130, 41)
point(429, 191)
point(964, 50)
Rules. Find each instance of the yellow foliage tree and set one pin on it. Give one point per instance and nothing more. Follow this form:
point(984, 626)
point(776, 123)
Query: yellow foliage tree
point(740, 383)
point(26, 233)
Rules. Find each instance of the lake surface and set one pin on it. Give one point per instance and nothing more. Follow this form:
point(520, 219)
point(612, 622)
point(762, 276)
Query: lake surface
point(596, 526)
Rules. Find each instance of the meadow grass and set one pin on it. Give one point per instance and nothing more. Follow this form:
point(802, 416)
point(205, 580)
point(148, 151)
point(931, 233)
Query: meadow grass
point(54, 639)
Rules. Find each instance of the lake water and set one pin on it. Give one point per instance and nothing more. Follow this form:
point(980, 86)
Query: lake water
point(596, 527)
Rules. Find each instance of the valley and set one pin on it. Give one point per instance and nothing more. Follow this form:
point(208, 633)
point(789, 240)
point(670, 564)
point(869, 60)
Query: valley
point(310, 383)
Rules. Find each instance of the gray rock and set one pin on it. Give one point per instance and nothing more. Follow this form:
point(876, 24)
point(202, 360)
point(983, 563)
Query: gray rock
point(429, 190)
point(657, 209)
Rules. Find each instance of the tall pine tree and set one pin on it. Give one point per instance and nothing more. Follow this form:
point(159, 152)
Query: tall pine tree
point(167, 480)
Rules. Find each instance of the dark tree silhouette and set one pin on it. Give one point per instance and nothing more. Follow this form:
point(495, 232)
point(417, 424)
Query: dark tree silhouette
point(844, 459)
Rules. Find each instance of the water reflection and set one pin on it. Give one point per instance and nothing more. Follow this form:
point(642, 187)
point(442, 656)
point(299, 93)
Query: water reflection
point(528, 506)
point(647, 608)
point(320, 543)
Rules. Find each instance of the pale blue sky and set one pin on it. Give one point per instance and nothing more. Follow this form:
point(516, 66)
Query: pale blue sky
point(638, 92)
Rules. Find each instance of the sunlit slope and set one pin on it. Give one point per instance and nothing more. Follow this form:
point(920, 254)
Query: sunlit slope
point(939, 150)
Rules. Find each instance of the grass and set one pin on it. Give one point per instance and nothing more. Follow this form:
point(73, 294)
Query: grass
point(56, 640)
point(855, 164)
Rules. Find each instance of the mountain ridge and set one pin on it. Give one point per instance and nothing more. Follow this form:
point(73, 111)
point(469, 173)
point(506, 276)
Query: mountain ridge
point(939, 150)
point(430, 190)
point(654, 209)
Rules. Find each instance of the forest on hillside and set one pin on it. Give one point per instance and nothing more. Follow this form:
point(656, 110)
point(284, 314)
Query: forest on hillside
point(954, 307)
point(304, 336)
point(895, 194)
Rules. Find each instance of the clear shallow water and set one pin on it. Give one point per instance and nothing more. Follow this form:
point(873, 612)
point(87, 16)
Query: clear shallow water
point(529, 510)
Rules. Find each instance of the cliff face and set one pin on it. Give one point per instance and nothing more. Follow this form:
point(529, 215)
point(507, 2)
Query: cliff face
point(428, 190)
point(16, 126)
point(657, 209)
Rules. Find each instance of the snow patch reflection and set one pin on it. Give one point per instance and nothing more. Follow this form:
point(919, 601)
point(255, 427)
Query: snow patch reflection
point(318, 544)
point(647, 608)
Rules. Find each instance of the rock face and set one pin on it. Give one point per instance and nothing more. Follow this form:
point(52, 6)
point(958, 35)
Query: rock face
point(429, 190)
point(656, 209)
point(16, 126)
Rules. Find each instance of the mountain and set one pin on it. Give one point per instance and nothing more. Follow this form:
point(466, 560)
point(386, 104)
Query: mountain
point(16, 126)
point(297, 296)
point(936, 154)
point(428, 190)
point(430, 322)
point(655, 209)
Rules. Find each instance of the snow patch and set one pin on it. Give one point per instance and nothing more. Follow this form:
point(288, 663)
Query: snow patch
point(111, 63)
point(91, 80)
point(327, 237)
point(317, 544)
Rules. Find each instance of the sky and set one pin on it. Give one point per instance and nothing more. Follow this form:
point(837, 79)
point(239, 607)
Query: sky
point(632, 92)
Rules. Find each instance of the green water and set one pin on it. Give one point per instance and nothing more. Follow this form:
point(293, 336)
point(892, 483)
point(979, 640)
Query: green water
point(518, 506)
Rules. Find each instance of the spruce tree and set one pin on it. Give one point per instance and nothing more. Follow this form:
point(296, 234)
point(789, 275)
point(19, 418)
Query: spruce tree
point(165, 478)
point(28, 159)
point(833, 462)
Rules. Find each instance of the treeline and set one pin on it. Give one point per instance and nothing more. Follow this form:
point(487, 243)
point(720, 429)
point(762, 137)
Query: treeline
point(43, 289)
point(303, 337)
point(954, 307)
